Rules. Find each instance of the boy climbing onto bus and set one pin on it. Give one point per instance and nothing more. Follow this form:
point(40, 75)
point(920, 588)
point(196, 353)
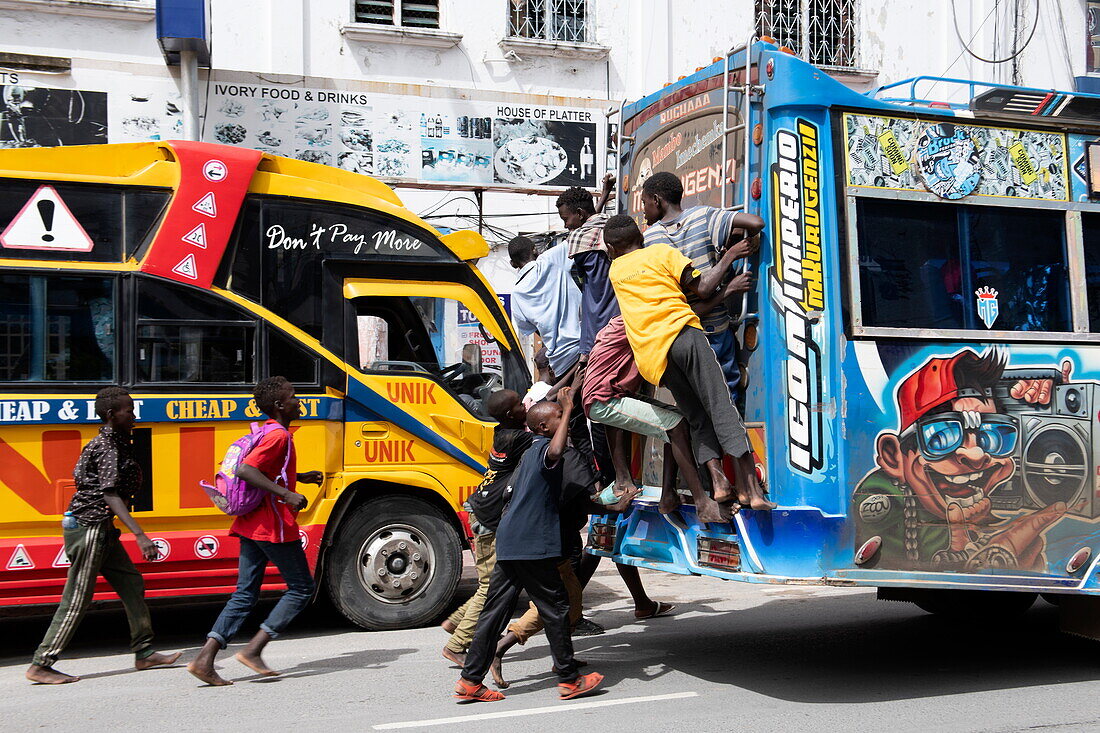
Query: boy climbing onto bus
point(669, 347)
point(106, 475)
point(511, 439)
point(529, 550)
point(702, 234)
point(268, 533)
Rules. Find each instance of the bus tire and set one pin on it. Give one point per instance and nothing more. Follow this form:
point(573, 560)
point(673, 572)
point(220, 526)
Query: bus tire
point(969, 604)
point(395, 564)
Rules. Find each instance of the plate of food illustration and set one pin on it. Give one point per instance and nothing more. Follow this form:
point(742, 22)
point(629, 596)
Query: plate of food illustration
point(530, 159)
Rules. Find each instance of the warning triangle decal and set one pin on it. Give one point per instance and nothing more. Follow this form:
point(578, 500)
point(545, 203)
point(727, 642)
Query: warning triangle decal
point(206, 205)
point(196, 236)
point(187, 268)
point(62, 560)
point(46, 223)
point(20, 560)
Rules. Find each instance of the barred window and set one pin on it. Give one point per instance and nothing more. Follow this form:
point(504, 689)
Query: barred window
point(550, 20)
point(831, 23)
point(408, 13)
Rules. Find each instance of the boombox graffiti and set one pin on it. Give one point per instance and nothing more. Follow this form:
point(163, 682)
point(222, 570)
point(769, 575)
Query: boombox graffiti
point(984, 461)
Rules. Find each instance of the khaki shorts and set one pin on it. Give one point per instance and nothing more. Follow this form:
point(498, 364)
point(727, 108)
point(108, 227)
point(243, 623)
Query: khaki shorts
point(652, 419)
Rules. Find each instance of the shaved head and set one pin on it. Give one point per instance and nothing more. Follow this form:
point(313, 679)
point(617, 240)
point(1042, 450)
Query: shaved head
point(542, 415)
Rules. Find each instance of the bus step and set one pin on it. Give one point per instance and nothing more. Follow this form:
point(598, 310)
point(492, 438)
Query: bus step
point(1079, 615)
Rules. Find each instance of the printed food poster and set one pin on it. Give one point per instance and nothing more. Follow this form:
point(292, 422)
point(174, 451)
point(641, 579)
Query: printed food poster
point(435, 140)
point(36, 116)
point(544, 146)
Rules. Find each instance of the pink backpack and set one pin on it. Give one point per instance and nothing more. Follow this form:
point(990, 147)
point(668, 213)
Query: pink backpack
point(231, 494)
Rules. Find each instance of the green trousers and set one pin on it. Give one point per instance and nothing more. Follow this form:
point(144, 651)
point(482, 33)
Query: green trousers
point(94, 551)
point(465, 618)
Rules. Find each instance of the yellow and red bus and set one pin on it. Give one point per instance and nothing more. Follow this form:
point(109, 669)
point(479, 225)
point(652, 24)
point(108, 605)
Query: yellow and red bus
point(186, 272)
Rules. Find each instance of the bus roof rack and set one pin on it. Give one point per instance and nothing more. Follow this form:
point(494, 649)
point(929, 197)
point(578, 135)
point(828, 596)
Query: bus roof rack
point(994, 98)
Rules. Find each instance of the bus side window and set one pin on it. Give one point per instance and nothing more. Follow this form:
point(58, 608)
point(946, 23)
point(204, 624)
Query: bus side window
point(288, 359)
point(921, 265)
point(1091, 225)
point(188, 336)
point(57, 328)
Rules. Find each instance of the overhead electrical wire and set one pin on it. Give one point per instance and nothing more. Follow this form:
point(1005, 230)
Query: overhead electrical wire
point(966, 44)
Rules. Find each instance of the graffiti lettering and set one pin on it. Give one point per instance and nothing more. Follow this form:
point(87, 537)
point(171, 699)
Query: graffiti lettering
point(685, 108)
point(798, 287)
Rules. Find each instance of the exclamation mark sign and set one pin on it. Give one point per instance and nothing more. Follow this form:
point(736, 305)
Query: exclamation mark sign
point(46, 209)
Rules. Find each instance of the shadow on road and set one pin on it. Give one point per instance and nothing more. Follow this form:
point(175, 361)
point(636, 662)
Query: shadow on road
point(835, 649)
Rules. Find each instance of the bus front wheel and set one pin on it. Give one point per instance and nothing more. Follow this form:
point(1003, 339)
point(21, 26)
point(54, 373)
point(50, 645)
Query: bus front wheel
point(395, 564)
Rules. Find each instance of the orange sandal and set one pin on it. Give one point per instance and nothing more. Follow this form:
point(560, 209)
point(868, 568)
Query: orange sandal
point(475, 692)
point(585, 684)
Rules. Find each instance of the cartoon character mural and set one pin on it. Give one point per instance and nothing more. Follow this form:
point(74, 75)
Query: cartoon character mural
point(983, 463)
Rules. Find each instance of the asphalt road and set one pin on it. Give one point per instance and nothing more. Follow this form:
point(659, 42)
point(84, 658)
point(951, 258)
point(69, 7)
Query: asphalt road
point(733, 657)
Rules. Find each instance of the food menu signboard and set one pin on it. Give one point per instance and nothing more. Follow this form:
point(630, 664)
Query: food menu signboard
point(419, 139)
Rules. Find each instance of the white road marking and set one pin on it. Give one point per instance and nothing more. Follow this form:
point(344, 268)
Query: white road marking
point(563, 708)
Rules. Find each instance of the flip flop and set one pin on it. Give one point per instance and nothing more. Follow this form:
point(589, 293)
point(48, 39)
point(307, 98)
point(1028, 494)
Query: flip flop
point(663, 609)
point(585, 684)
point(476, 693)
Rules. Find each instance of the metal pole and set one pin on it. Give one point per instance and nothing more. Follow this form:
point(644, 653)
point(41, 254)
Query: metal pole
point(189, 86)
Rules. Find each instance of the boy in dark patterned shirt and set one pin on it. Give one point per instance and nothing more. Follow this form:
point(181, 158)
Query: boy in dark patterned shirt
point(106, 477)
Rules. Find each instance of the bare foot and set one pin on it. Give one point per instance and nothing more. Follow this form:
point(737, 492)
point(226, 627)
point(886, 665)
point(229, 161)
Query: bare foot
point(448, 626)
point(255, 663)
point(670, 502)
point(456, 657)
point(208, 675)
point(624, 502)
point(723, 491)
point(48, 676)
point(622, 486)
point(498, 673)
point(710, 511)
point(156, 659)
point(760, 504)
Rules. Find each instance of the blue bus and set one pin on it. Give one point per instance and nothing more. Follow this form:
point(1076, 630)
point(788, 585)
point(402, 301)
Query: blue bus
point(923, 344)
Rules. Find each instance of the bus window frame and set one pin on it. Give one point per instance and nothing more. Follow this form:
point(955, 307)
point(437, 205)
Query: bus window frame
point(120, 303)
point(1075, 271)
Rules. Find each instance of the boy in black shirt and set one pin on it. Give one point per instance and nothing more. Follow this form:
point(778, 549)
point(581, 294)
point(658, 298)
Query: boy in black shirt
point(529, 548)
point(510, 441)
point(107, 475)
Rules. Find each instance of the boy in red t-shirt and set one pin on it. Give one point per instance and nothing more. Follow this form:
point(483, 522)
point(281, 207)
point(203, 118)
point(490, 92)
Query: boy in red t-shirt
point(267, 533)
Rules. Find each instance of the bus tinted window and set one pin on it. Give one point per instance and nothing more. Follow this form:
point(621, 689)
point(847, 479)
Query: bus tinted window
point(281, 245)
point(1091, 224)
point(922, 265)
point(56, 328)
point(116, 220)
point(286, 358)
point(188, 336)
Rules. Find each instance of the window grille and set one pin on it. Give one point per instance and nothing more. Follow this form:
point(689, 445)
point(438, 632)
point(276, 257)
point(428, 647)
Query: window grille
point(408, 13)
point(831, 24)
point(550, 20)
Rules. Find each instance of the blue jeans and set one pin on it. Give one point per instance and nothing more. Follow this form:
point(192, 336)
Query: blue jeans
point(290, 559)
point(725, 350)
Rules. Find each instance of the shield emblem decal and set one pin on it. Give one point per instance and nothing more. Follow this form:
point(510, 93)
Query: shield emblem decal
point(988, 308)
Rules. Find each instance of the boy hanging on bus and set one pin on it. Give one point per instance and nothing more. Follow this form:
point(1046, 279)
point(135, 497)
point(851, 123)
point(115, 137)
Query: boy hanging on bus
point(269, 533)
point(107, 475)
point(530, 549)
point(669, 347)
point(511, 439)
point(702, 234)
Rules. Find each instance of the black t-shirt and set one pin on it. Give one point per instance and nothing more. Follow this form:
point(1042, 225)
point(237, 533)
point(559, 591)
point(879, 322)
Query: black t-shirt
point(509, 445)
point(533, 525)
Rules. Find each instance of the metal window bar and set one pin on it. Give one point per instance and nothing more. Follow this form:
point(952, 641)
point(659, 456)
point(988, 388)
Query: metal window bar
point(831, 26)
point(409, 13)
point(549, 20)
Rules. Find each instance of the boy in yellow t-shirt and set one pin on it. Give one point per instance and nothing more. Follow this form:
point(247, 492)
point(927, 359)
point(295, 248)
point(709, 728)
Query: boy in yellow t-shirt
point(670, 347)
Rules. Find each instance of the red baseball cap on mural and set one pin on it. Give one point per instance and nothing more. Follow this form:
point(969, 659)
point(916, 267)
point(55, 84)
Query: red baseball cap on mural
point(928, 387)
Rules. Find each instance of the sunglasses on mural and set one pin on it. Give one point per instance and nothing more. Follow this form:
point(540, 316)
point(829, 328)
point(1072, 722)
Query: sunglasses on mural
point(940, 435)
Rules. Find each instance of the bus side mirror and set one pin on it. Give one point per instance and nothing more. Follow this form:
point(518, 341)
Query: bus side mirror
point(471, 357)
